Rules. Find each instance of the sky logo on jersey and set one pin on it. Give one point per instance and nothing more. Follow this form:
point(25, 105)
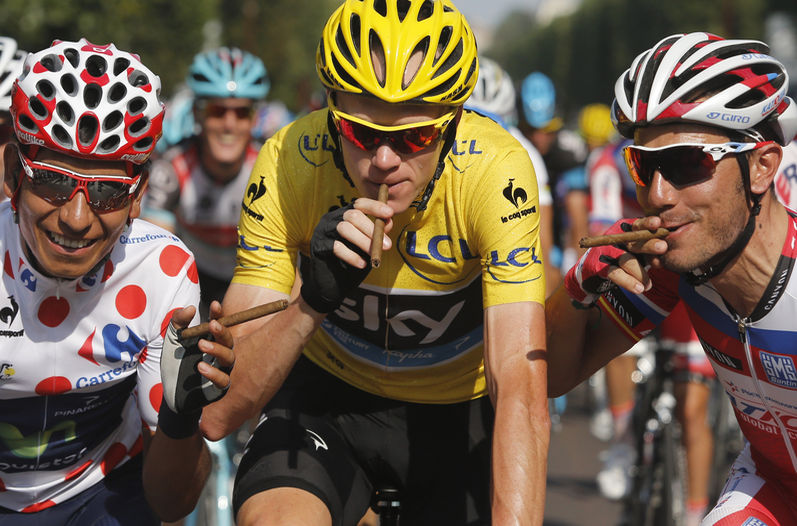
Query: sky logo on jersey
point(780, 370)
point(33, 445)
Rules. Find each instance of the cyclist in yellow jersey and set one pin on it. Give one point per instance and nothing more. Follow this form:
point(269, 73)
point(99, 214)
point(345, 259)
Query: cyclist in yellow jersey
point(375, 377)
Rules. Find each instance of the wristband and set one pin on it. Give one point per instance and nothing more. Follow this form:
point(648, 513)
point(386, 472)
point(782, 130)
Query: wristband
point(177, 425)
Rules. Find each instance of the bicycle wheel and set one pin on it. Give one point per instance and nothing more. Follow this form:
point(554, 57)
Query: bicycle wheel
point(672, 503)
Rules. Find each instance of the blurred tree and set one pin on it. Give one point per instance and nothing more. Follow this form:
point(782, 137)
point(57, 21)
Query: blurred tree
point(586, 51)
point(168, 33)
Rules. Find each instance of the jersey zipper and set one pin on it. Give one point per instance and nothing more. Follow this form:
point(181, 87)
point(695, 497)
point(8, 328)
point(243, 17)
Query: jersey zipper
point(742, 324)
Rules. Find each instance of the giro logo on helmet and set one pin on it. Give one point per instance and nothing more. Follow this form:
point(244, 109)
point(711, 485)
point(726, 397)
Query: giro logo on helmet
point(728, 117)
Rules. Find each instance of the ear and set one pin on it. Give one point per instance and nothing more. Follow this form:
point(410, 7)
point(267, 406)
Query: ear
point(764, 164)
point(11, 169)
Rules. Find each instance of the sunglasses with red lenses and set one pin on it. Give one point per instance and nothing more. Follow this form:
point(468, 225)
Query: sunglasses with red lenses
point(403, 138)
point(57, 185)
point(681, 164)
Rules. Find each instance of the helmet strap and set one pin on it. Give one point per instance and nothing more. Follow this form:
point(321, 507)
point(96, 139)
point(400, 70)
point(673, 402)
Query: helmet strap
point(717, 264)
point(450, 135)
point(337, 155)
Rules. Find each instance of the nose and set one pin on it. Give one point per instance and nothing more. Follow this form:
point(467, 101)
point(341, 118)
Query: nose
point(76, 214)
point(385, 157)
point(660, 193)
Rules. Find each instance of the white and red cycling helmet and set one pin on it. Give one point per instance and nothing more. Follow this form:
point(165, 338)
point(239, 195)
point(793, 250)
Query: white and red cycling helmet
point(88, 101)
point(706, 79)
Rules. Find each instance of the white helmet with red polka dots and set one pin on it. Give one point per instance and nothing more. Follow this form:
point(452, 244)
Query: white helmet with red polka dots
point(88, 101)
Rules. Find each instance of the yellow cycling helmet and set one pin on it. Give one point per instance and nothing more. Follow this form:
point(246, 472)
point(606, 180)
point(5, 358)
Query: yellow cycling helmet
point(595, 124)
point(367, 45)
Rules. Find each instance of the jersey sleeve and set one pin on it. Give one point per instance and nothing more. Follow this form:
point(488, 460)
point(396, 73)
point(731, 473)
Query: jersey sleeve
point(506, 225)
point(638, 314)
point(271, 227)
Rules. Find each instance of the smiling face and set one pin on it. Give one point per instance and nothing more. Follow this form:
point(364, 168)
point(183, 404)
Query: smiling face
point(406, 174)
point(706, 217)
point(226, 131)
point(67, 241)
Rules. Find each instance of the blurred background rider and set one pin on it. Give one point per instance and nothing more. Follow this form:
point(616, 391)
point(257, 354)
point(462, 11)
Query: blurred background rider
point(196, 186)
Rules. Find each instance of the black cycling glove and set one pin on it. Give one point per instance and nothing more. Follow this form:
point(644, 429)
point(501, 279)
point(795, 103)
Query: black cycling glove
point(327, 279)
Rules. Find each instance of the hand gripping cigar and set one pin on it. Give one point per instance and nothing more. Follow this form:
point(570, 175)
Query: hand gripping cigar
point(624, 237)
point(201, 330)
point(379, 231)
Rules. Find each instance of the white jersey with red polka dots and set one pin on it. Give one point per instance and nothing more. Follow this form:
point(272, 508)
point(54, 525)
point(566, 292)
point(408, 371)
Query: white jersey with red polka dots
point(79, 361)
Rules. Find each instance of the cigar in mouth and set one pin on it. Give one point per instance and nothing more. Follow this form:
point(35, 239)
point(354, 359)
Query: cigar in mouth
point(379, 230)
point(624, 237)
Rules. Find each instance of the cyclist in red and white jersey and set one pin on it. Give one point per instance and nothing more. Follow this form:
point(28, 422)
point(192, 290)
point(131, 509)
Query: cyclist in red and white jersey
point(708, 117)
point(195, 189)
point(88, 291)
point(612, 197)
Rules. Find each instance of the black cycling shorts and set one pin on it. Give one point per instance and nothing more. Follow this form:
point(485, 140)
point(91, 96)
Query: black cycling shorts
point(340, 443)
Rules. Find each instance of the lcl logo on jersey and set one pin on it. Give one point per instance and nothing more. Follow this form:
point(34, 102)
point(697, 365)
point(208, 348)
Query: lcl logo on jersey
point(310, 144)
point(253, 193)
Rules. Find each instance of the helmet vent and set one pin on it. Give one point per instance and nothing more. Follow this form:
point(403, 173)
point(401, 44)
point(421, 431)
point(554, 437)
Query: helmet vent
point(143, 145)
point(421, 49)
point(113, 120)
point(377, 57)
point(340, 40)
point(403, 7)
point(45, 89)
point(136, 105)
point(92, 95)
point(65, 113)
point(447, 9)
point(426, 10)
point(119, 65)
point(442, 42)
point(354, 31)
point(380, 6)
point(51, 63)
point(27, 124)
point(137, 78)
point(450, 61)
point(109, 145)
point(96, 66)
point(342, 73)
point(69, 84)
point(72, 56)
point(139, 126)
point(37, 108)
point(442, 87)
point(62, 137)
point(87, 128)
point(117, 93)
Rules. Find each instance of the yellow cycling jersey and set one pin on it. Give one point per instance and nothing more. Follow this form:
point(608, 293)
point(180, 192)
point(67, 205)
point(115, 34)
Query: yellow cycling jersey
point(413, 330)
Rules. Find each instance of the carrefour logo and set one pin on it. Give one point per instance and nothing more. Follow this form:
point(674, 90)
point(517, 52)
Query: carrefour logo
point(728, 117)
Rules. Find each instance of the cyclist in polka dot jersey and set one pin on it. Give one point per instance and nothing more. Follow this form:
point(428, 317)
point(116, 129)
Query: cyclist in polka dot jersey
point(87, 294)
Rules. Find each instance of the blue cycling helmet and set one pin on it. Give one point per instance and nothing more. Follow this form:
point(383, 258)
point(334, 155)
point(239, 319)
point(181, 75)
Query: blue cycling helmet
point(538, 98)
point(228, 72)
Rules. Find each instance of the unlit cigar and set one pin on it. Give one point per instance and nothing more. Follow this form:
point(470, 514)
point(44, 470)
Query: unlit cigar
point(203, 329)
point(379, 230)
point(624, 237)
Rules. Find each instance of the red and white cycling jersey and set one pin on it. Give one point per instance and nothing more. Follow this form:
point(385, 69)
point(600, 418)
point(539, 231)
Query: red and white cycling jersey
point(203, 212)
point(754, 356)
point(80, 361)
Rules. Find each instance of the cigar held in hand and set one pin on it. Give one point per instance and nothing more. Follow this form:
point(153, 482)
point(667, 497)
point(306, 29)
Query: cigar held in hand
point(379, 230)
point(624, 237)
point(259, 311)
